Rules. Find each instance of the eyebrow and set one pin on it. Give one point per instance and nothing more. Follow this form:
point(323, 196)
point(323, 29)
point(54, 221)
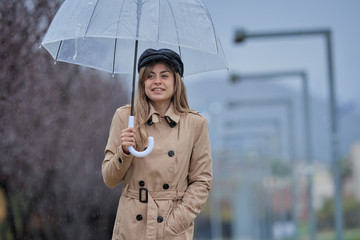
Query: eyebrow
point(162, 71)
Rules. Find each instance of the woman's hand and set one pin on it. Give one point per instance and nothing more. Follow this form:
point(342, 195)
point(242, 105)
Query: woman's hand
point(127, 138)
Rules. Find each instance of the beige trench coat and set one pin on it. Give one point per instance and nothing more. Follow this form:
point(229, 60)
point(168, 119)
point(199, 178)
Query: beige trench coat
point(164, 191)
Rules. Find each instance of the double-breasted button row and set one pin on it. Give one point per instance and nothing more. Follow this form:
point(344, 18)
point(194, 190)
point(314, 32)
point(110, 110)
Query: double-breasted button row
point(139, 217)
point(171, 153)
point(142, 184)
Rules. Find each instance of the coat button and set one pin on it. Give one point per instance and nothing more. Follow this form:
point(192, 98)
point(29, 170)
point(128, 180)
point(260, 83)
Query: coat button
point(171, 153)
point(160, 219)
point(139, 217)
point(141, 183)
point(166, 186)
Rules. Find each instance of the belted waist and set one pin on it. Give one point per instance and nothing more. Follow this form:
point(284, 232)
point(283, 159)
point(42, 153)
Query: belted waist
point(155, 195)
point(147, 196)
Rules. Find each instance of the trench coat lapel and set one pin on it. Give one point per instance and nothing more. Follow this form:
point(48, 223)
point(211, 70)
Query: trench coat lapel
point(154, 115)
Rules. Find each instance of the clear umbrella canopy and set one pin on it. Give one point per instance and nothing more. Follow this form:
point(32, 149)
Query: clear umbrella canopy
point(107, 34)
point(101, 33)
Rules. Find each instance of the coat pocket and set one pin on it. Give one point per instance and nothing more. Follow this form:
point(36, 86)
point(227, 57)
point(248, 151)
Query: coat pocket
point(175, 226)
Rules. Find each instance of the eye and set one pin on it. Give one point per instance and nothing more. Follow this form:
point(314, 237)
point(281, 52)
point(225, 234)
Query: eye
point(151, 76)
point(164, 75)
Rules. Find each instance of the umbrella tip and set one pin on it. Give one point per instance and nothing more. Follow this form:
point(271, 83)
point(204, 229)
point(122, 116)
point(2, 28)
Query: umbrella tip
point(113, 75)
point(39, 46)
point(55, 62)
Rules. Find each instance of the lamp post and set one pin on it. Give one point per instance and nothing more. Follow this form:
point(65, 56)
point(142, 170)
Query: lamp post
point(215, 109)
point(291, 135)
point(306, 113)
point(241, 36)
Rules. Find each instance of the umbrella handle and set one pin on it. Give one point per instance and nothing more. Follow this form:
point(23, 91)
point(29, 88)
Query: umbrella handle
point(148, 149)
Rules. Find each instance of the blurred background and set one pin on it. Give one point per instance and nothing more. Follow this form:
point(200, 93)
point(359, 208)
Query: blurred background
point(284, 126)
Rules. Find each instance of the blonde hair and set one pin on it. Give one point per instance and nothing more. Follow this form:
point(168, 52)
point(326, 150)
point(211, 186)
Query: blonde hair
point(142, 102)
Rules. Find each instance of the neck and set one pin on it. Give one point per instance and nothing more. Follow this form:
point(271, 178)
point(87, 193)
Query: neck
point(161, 107)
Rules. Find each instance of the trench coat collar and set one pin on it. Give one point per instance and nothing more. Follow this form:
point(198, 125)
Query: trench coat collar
point(154, 115)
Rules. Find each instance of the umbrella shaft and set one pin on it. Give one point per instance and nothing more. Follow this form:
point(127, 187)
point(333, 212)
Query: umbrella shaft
point(133, 81)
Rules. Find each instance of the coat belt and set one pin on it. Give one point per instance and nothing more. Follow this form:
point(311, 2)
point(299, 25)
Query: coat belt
point(151, 205)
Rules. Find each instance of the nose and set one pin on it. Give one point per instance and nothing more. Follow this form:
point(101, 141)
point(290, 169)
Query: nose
point(157, 80)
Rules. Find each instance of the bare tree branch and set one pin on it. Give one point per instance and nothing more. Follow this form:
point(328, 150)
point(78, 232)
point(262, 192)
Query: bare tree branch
point(54, 125)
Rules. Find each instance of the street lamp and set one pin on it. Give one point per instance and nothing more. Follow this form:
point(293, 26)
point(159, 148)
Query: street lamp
point(291, 135)
point(306, 114)
point(241, 36)
point(215, 109)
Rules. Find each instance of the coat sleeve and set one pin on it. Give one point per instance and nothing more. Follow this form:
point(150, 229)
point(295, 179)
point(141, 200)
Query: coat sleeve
point(199, 184)
point(116, 163)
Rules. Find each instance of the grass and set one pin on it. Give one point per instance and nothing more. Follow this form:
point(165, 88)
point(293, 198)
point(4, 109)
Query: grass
point(349, 234)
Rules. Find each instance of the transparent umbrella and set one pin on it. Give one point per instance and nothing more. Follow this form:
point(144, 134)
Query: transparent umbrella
point(107, 35)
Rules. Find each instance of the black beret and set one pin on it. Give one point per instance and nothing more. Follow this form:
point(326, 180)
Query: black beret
point(151, 55)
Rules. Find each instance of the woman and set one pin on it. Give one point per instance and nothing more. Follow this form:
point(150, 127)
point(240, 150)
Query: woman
point(164, 191)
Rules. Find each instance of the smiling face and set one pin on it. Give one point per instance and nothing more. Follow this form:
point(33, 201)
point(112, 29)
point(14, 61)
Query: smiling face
point(159, 84)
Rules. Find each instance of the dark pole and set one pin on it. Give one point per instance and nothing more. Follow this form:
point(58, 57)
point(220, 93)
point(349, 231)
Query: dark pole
point(334, 140)
point(308, 144)
point(309, 175)
point(241, 36)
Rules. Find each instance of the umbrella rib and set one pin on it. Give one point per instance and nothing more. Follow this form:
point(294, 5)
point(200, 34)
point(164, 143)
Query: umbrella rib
point(92, 14)
point(57, 53)
point(116, 39)
point(213, 28)
point(158, 31)
point(113, 71)
point(138, 13)
point(118, 22)
point(176, 27)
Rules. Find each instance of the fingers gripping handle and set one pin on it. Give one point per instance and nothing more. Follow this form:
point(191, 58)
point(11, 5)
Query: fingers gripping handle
point(148, 149)
point(143, 153)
